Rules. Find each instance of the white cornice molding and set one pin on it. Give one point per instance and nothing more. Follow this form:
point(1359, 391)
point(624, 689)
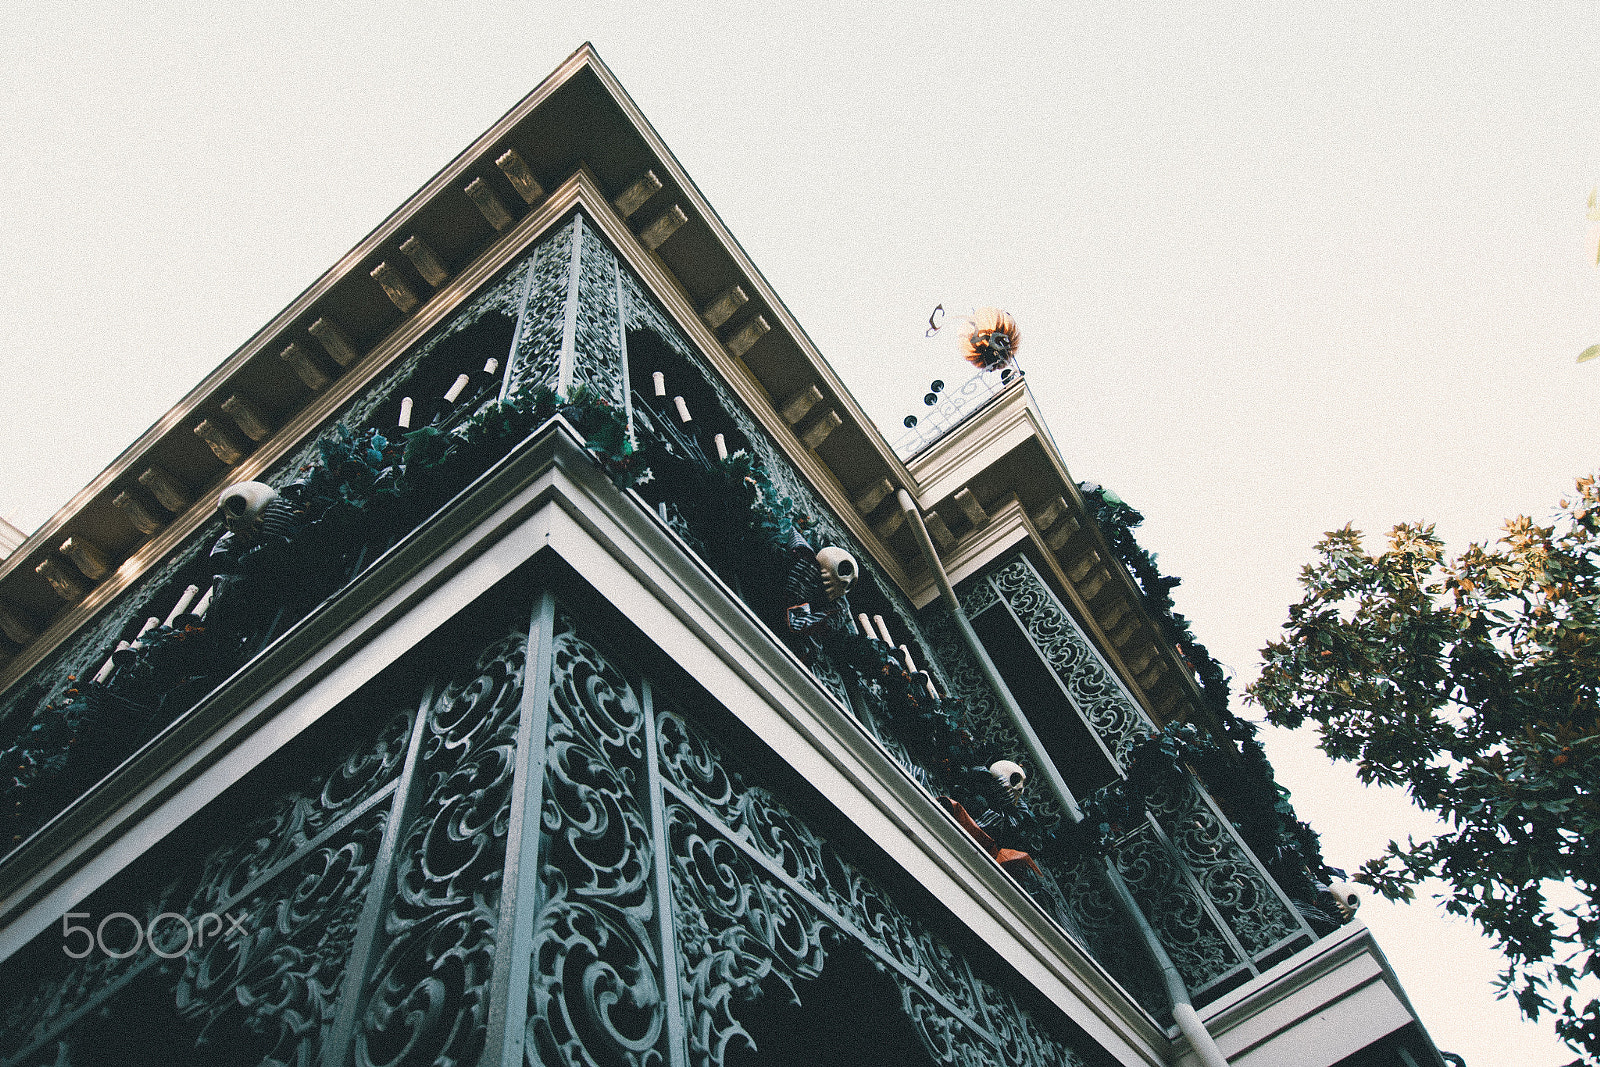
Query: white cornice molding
point(972, 446)
point(272, 333)
point(306, 421)
point(1335, 970)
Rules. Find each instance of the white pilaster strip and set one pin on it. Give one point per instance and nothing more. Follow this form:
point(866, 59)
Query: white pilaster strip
point(569, 325)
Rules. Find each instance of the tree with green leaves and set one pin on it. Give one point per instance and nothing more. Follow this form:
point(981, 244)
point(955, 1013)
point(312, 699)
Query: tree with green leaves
point(1473, 683)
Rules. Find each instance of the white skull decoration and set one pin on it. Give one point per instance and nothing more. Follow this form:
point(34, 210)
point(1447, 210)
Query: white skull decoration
point(1345, 898)
point(1011, 776)
point(839, 571)
point(242, 506)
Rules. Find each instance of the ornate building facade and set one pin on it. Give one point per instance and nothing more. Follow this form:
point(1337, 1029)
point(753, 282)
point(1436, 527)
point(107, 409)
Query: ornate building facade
point(524, 650)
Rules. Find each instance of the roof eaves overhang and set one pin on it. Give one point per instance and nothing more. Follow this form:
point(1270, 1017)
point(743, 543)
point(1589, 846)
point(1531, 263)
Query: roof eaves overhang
point(347, 325)
point(1001, 465)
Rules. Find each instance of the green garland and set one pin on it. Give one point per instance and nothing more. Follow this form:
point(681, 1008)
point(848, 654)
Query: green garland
point(1242, 783)
point(361, 483)
point(383, 487)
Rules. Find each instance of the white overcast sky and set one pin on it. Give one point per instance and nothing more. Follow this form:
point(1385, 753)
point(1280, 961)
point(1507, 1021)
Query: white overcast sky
point(1277, 267)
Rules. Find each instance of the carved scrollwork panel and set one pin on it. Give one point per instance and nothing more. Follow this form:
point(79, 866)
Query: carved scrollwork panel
point(595, 992)
point(597, 342)
point(1186, 929)
point(985, 720)
point(736, 929)
point(270, 989)
point(978, 597)
point(1259, 919)
point(1089, 910)
point(946, 1038)
point(57, 1002)
point(285, 846)
point(1094, 690)
point(758, 897)
point(427, 999)
point(299, 815)
point(1019, 1038)
point(538, 351)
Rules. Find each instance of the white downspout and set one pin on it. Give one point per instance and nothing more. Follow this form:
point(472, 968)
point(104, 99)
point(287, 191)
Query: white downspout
point(1183, 1013)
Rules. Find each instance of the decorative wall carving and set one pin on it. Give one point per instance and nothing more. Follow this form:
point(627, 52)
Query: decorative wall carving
point(295, 879)
point(1188, 933)
point(543, 312)
point(1213, 907)
point(985, 719)
point(1093, 688)
point(597, 333)
point(758, 898)
point(428, 997)
point(272, 992)
point(1249, 905)
point(595, 994)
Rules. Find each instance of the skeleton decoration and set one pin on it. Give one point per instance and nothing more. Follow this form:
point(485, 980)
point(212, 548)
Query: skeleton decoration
point(838, 569)
point(1012, 778)
point(816, 584)
point(1345, 899)
point(997, 815)
point(243, 505)
point(259, 519)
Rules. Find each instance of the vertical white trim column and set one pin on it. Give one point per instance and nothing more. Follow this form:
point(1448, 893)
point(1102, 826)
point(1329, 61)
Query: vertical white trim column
point(622, 351)
point(509, 372)
point(519, 885)
point(677, 1032)
point(569, 322)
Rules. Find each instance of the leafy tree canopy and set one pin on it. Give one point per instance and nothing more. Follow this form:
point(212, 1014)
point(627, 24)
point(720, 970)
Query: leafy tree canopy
point(1474, 683)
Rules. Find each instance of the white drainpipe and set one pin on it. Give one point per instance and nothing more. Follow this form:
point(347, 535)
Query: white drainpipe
point(1183, 1013)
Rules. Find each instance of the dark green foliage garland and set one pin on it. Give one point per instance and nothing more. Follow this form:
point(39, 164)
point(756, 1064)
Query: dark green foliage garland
point(1117, 522)
point(741, 511)
point(1242, 784)
point(362, 488)
point(365, 481)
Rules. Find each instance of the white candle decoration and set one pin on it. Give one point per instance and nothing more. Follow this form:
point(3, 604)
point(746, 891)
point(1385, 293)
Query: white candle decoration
point(111, 663)
point(455, 390)
point(183, 604)
point(883, 630)
point(405, 413)
point(491, 367)
point(661, 383)
point(149, 624)
point(722, 447)
point(911, 666)
point(865, 624)
point(934, 693)
point(683, 409)
point(205, 602)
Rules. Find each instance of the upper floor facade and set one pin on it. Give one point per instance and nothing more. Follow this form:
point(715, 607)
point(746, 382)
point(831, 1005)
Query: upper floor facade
point(547, 431)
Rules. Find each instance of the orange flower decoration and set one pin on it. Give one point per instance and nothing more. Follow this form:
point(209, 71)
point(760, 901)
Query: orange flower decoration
point(990, 338)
